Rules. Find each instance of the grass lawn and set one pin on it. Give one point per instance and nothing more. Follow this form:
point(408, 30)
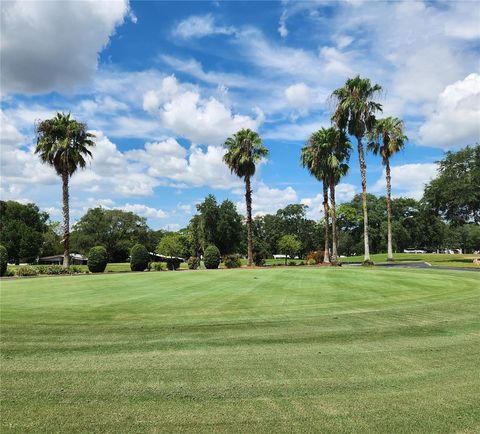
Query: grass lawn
point(326, 350)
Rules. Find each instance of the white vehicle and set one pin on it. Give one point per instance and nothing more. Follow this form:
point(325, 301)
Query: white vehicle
point(414, 251)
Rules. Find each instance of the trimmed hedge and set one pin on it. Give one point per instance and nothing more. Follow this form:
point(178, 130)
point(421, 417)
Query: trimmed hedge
point(193, 263)
point(3, 260)
point(139, 258)
point(232, 261)
point(97, 259)
point(211, 257)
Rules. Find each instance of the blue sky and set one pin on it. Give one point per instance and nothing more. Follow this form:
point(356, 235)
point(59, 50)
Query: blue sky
point(162, 84)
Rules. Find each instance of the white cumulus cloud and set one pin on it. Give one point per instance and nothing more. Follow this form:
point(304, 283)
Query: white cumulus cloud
point(408, 180)
point(455, 121)
point(49, 46)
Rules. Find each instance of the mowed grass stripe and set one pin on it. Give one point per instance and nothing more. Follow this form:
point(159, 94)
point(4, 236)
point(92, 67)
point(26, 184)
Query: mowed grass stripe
point(283, 350)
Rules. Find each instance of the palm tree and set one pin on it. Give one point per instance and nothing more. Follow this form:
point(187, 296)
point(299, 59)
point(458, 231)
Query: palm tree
point(63, 143)
point(355, 112)
point(244, 151)
point(386, 138)
point(313, 157)
point(338, 149)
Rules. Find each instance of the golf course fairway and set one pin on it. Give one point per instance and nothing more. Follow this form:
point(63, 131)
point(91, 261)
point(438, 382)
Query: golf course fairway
point(292, 349)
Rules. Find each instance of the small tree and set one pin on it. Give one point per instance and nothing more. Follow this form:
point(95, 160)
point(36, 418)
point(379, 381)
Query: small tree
point(212, 257)
point(139, 258)
point(97, 259)
point(3, 260)
point(172, 245)
point(289, 246)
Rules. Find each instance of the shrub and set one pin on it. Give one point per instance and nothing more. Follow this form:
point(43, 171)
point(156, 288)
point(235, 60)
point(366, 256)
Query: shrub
point(311, 261)
point(139, 258)
point(193, 263)
point(292, 263)
point(316, 255)
point(260, 252)
point(26, 270)
point(97, 259)
point(259, 259)
point(157, 266)
point(232, 261)
point(211, 257)
point(3, 260)
point(368, 263)
point(173, 264)
point(9, 273)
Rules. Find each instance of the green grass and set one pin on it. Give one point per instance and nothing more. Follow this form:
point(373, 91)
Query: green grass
point(432, 258)
point(328, 350)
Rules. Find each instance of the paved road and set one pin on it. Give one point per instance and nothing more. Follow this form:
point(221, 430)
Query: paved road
point(419, 264)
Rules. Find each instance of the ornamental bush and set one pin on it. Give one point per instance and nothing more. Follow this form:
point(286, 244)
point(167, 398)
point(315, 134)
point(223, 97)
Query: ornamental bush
point(211, 257)
point(316, 255)
point(139, 258)
point(97, 259)
point(3, 260)
point(232, 261)
point(173, 264)
point(193, 263)
point(157, 266)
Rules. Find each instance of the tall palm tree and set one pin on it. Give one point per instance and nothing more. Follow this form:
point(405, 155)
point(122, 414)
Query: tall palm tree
point(386, 138)
point(244, 151)
point(338, 155)
point(313, 157)
point(64, 143)
point(355, 112)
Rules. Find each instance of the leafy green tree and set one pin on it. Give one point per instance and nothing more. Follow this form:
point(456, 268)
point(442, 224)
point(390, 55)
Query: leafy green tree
point(244, 151)
point(115, 229)
point(455, 192)
point(63, 143)
point(209, 214)
point(22, 229)
point(355, 112)
point(3, 260)
point(174, 244)
point(289, 246)
point(386, 138)
point(229, 228)
point(195, 235)
point(52, 239)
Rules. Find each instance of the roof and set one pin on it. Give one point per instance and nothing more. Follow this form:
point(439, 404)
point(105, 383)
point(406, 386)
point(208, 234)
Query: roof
point(72, 255)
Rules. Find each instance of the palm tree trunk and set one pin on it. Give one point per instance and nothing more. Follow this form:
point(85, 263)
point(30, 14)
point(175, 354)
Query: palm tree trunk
point(363, 174)
point(66, 220)
point(326, 255)
point(248, 201)
point(389, 212)
point(334, 221)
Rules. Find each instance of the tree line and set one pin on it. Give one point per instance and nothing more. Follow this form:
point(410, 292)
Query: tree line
point(447, 216)
point(65, 144)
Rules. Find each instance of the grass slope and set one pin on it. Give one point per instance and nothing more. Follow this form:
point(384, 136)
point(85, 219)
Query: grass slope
point(277, 350)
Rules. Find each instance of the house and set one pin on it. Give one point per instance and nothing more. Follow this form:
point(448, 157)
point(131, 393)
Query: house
point(75, 259)
point(155, 257)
